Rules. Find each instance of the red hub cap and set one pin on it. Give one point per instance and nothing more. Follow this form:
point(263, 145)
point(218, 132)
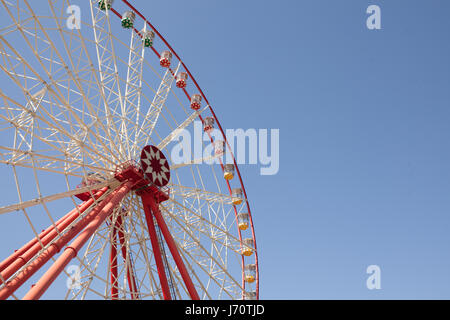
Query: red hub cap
point(155, 165)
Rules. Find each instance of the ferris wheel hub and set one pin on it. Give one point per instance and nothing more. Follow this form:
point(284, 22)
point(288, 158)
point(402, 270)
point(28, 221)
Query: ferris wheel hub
point(131, 170)
point(155, 166)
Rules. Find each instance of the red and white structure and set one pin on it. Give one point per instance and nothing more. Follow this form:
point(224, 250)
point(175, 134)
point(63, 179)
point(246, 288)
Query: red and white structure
point(88, 120)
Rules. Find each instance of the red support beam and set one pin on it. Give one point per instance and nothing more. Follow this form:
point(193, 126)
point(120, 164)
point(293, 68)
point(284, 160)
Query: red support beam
point(149, 200)
point(47, 254)
point(129, 267)
point(71, 251)
point(4, 264)
point(16, 261)
point(113, 264)
point(155, 245)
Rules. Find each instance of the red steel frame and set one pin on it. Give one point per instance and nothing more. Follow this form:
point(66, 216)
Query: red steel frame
point(157, 252)
point(93, 222)
point(148, 200)
point(22, 256)
point(130, 276)
point(113, 264)
point(36, 254)
point(117, 231)
point(50, 251)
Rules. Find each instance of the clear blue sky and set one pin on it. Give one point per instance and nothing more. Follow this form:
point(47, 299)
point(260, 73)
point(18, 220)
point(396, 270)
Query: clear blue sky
point(364, 128)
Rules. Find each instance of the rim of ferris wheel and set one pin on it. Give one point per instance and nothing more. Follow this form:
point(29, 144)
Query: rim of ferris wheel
point(155, 166)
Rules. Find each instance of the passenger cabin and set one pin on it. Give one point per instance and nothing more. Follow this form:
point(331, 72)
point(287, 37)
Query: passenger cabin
point(248, 247)
point(166, 59)
point(250, 273)
point(148, 36)
point(105, 4)
point(243, 221)
point(196, 101)
point(128, 19)
point(181, 81)
point(208, 124)
point(228, 171)
point(237, 196)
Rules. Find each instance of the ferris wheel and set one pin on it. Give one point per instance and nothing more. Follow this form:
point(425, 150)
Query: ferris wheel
point(90, 111)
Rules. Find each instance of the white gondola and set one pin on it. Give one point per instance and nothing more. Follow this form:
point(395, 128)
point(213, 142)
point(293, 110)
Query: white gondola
point(237, 196)
point(250, 273)
point(228, 171)
point(166, 59)
point(181, 80)
point(105, 4)
point(243, 221)
point(248, 246)
point(219, 147)
point(208, 124)
point(128, 19)
point(148, 36)
point(196, 101)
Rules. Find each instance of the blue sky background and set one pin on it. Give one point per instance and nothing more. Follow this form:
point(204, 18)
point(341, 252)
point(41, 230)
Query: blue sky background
point(364, 128)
